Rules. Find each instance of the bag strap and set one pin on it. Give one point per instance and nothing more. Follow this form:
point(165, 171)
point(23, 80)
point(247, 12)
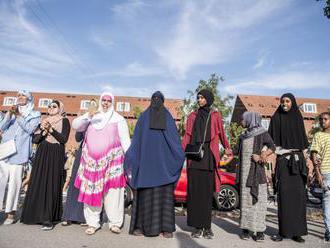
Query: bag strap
point(207, 122)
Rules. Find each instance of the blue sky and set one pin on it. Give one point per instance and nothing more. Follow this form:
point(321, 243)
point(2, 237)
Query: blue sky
point(136, 47)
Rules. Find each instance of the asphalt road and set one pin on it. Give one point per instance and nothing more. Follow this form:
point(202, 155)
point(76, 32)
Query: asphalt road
point(224, 225)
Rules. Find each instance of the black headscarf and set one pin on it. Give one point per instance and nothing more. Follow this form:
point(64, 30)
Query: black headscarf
point(201, 119)
point(287, 128)
point(157, 111)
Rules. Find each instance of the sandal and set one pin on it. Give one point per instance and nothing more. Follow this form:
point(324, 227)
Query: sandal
point(115, 229)
point(91, 230)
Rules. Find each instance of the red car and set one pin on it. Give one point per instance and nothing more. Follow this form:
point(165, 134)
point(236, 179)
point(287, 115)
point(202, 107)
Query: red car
point(226, 199)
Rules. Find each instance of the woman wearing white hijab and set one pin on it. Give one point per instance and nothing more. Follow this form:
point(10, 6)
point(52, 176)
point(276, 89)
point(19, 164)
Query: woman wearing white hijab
point(100, 177)
point(18, 124)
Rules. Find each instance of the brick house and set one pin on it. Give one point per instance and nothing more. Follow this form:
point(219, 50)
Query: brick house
point(76, 104)
point(267, 105)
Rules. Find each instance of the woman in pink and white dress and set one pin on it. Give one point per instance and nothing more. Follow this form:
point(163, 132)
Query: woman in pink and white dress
point(100, 177)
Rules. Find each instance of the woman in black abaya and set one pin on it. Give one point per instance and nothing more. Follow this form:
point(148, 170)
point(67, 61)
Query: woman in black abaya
point(289, 135)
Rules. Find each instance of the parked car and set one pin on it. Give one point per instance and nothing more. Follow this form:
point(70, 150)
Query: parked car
point(226, 199)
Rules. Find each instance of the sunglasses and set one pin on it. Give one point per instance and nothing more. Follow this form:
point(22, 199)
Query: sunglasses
point(53, 106)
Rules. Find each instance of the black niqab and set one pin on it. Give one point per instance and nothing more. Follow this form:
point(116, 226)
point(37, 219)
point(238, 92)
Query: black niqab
point(157, 111)
point(287, 128)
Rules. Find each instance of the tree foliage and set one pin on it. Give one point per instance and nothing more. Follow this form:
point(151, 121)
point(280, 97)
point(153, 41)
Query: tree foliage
point(326, 8)
point(221, 104)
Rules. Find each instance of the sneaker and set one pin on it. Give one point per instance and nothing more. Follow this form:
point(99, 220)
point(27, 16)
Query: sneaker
point(277, 238)
point(245, 234)
point(197, 233)
point(259, 237)
point(9, 221)
point(47, 227)
point(298, 239)
point(208, 233)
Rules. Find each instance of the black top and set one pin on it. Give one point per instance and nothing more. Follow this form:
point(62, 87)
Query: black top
point(287, 128)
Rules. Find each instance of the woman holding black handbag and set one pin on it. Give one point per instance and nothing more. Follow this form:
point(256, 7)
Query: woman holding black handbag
point(204, 129)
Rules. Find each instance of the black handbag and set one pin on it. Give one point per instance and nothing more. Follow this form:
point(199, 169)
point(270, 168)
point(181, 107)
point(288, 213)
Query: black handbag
point(196, 152)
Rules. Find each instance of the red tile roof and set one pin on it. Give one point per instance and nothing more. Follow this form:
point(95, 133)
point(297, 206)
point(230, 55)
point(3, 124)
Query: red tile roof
point(72, 102)
point(267, 105)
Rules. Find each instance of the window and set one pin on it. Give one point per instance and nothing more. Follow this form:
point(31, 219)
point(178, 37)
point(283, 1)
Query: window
point(123, 106)
point(265, 123)
point(44, 102)
point(9, 101)
point(309, 108)
point(84, 104)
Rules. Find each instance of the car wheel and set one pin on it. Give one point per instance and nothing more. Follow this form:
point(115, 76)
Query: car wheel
point(227, 198)
point(128, 196)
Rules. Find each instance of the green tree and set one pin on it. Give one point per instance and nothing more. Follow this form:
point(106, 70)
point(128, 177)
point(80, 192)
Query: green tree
point(326, 8)
point(137, 111)
point(235, 131)
point(221, 104)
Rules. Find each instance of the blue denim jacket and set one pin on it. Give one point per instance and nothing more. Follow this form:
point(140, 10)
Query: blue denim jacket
point(21, 129)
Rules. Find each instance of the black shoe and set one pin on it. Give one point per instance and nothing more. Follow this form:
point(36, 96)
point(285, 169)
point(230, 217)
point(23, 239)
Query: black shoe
point(197, 233)
point(259, 237)
point(298, 239)
point(327, 239)
point(277, 238)
point(47, 227)
point(245, 235)
point(208, 234)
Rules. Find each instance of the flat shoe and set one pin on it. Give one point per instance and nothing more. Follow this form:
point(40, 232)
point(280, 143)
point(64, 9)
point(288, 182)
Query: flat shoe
point(91, 230)
point(137, 232)
point(115, 229)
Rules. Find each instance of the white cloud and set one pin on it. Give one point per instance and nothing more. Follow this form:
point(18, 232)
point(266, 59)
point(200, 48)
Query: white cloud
point(290, 80)
point(29, 49)
point(212, 32)
point(102, 39)
point(128, 9)
point(134, 69)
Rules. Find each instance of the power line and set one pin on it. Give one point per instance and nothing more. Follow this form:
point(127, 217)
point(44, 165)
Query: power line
point(67, 48)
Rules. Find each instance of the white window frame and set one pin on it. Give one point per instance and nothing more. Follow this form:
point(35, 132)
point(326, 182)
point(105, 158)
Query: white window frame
point(123, 107)
point(265, 123)
point(42, 101)
point(127, 107)
point(84, 104)
point(7, 101)
point(309, 107)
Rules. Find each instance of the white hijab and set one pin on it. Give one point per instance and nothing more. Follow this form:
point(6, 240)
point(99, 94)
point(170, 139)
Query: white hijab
point(100, 120)
point(26, 109)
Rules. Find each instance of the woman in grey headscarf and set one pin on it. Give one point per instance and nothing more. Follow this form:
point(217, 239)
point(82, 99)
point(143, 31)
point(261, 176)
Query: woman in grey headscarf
point(254, 147)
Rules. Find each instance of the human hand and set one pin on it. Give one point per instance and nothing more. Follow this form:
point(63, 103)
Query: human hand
point(263, 157)
point(256, 158)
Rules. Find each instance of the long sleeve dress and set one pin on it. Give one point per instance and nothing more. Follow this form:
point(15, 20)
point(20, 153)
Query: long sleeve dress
point(74, 210)
point(43, 202)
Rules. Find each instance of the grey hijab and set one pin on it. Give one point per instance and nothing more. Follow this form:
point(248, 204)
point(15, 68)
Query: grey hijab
point(252, 121)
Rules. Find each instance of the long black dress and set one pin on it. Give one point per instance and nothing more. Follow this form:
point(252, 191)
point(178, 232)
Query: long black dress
point(291, 195)
point(288, 132)
point(201, 176)
point(74, 210)
point(43, 202)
